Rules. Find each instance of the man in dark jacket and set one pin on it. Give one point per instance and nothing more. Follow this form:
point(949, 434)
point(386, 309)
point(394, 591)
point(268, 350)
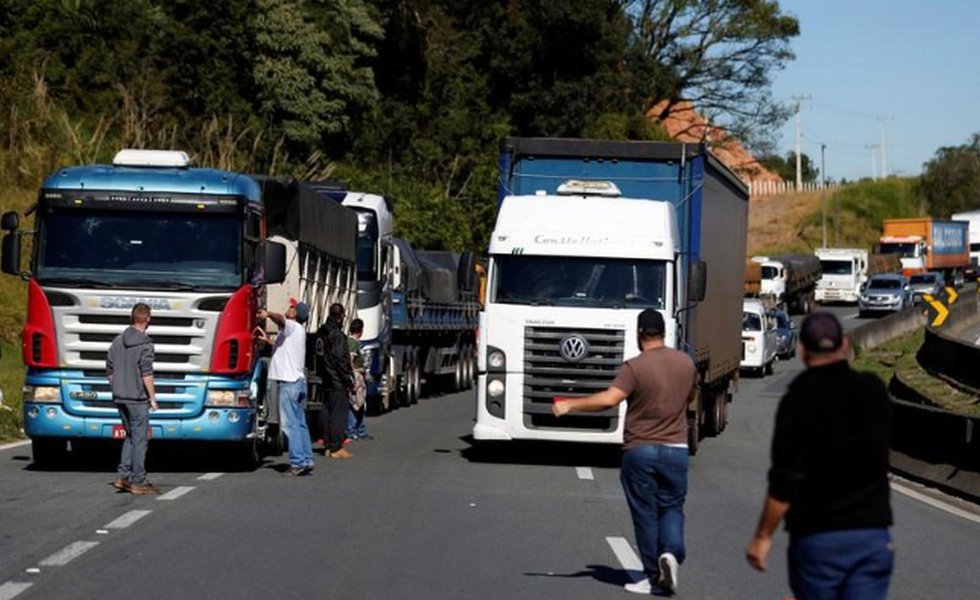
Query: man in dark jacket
point(829, 475)
point(129, 366)
point(333, 360)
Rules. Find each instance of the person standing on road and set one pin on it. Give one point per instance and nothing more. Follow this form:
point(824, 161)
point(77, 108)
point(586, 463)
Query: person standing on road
point(356, 428)
point(288, 369)
point(658, 386)
point(129, 366)
point(338, 380)
point(829, 474)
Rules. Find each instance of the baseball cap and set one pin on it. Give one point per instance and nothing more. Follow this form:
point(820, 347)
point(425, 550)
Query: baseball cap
point(650, 323)
point(821, 332)
point(302, 310)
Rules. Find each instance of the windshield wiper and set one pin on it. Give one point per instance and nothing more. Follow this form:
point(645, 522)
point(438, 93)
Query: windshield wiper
point(80, 282)
point(159, 285)
point(542, 302)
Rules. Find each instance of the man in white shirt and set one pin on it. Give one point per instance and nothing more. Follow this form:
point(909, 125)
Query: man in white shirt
point(288, 369)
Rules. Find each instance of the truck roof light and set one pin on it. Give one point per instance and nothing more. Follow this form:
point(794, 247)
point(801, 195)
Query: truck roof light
point(581, 187)
point(131, 157)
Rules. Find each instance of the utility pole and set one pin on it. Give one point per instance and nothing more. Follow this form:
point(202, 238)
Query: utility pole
point(799, 141)
point(874, 159)
point(882, 120)
point(823, 190)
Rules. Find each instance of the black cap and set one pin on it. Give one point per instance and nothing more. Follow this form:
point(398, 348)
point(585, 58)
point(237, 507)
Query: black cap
point(650, 323)
point(821, 332)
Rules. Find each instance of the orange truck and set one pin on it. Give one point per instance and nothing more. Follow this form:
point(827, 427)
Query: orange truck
point(927, 244)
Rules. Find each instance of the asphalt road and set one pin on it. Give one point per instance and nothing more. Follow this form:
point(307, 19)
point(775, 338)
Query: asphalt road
point(420, 513)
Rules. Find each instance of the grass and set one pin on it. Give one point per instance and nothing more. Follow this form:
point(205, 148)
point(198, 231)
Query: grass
point(11, 381)
point(898, 356)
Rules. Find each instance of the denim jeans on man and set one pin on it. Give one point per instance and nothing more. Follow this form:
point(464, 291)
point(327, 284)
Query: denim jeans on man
point(654, 478)
point(848, 564)
point(292, 397)
point(356, 427)
point(136, 422)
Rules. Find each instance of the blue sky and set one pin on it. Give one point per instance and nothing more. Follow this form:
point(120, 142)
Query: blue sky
point(915, 62)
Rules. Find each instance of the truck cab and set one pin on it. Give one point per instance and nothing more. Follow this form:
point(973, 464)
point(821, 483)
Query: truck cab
point(843, 272)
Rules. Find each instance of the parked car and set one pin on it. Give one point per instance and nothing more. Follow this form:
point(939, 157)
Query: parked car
point(786, 336)
point(926, 283)
point(888, 292)
point(758, 337)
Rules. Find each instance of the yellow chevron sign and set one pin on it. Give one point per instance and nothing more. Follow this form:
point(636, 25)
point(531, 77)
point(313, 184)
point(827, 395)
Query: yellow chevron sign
point(941, 311)
point(952, 295)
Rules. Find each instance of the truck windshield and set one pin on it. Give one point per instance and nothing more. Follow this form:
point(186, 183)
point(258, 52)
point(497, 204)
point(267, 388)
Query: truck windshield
point(904, 250)
point(751, 322)
point(579, 281)
point(837, 267)
point(367, 241)
point(139, 249)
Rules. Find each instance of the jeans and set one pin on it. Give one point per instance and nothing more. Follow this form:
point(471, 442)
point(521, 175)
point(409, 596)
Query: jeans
point(654, 478)
point(292, 397)
point(851, 564)
point(335, 408)
point(136, 422)
point(355, 423)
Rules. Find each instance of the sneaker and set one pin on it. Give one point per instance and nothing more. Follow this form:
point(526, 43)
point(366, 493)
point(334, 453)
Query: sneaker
point(668, 572)
point(143, 489)
point(642, 586)
point(347, 441)
point(122, 484)
point(342, 453)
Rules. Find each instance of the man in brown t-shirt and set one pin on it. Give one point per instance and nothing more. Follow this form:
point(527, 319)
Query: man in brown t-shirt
point(658, 385)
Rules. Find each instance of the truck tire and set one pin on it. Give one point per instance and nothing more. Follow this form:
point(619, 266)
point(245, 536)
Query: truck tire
point(459, 375)
point(469, 366)
point(246, 455)
point(713, 414)
point(693, 436)
point(414, 377)
point(273, 444)
point(48, 452)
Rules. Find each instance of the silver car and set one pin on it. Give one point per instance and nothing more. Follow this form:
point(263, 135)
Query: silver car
point(885, 293)
point(926, 283)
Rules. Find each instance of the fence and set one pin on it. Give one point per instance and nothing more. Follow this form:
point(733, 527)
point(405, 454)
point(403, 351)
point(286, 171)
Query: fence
point(771, 188)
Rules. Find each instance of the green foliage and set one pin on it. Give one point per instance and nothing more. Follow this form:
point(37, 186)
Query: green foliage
point(11, 381)
point(951, 181)
point(786, 167)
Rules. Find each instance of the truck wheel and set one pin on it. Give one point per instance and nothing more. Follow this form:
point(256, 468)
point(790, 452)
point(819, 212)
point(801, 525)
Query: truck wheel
point(274, 442)
point(414, 378)
point(247, 455)
point(767, 370)
point(712, 414)
point(48, 452)
point(693, 435)
point(470, 365)
point(389, 385)
point(459, 376)
point(725, 399)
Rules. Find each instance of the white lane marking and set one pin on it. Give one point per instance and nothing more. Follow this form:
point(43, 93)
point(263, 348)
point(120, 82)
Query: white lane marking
point(67, 554)
point(175, 493)
point(935, 503)
point(626, 557)
point(210, 476)
point(128, 519)
point(13, 445)
point(12, 589)
point(854, 316)
point(584, 473)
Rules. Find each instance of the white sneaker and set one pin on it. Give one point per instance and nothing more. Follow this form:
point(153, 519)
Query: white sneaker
point(668, 572)
point(642, 586)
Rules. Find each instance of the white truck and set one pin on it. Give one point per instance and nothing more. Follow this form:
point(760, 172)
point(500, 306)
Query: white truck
point(789, 281)
point(973, 218)
point(844, 270)
point(588, 234)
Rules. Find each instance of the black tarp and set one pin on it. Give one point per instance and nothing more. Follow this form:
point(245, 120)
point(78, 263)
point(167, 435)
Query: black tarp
point(297, 211)
point(412, 273)
point(441, 269)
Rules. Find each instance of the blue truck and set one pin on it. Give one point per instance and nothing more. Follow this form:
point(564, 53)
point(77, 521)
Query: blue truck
point(588, 234)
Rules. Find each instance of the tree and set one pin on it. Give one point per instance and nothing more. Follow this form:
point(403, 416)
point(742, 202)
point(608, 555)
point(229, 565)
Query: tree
point(951, 181)
point(718, 54)
point(786, 167)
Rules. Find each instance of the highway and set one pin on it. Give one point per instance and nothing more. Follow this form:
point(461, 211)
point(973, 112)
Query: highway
point(420, 513)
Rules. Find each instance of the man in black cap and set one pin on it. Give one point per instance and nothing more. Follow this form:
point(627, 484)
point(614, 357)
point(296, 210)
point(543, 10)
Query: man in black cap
point(658, 386)
point(829, 474)
point(333, 359)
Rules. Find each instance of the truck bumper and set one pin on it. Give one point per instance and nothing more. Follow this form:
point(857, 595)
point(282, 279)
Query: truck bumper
point(848, 296)
point(216, 424)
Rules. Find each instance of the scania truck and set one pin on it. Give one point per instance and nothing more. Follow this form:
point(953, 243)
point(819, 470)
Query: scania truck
point(588, 234)
point(192, 243)
point(927, 244)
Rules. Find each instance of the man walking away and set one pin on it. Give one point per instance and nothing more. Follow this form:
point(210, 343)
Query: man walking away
point(829, 474)
point(129, 365)
point(356, 428)
point(288, 369)
point(658, 386)
point(338, 380)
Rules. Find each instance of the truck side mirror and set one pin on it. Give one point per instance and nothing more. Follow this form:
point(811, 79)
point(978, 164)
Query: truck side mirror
point(10, 253)
point(275, 262)
point(697, 281)
point(10, 221)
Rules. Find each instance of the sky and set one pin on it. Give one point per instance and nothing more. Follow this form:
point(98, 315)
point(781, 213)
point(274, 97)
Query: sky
point(911, 67)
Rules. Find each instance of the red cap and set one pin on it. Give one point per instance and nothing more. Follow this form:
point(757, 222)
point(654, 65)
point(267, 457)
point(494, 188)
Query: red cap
point(293, 302)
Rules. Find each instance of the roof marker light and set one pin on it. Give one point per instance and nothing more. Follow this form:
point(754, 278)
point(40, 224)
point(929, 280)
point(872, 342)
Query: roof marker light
point(580, 187)
point(131, 157)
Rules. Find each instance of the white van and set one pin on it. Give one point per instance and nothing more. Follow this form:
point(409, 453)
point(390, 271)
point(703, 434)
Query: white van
point(758, 338)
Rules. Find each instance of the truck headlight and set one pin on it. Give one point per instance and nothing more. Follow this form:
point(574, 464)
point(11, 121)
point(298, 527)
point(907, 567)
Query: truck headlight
point(750, 348)
point(495, 388)
point(41, 393)
point(495, 359)
point(238, 398)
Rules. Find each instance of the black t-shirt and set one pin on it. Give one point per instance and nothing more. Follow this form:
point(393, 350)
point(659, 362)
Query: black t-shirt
point(830, 451)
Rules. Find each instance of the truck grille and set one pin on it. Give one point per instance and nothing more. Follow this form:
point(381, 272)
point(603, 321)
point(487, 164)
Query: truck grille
point(547, 374)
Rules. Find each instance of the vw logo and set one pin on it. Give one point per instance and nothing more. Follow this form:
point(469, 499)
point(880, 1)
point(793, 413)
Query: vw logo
point(573, 348)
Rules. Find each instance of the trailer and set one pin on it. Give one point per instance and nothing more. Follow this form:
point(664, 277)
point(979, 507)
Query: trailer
point(789, 281)
point(927, 244)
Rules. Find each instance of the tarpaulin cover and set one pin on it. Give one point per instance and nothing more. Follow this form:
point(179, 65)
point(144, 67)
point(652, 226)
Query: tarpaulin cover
point(297, 211)
point(412, 273)
point(441, 269)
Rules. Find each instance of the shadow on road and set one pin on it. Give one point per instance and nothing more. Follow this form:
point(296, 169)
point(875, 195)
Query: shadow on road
point(601, 573)
point(103, 457)
point(558, 454)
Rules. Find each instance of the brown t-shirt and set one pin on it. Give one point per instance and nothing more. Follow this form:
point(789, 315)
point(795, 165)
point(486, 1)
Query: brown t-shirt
point(658, 384)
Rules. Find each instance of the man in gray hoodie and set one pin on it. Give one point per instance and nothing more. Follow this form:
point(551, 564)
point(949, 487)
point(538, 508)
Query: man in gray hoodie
point(129, 366)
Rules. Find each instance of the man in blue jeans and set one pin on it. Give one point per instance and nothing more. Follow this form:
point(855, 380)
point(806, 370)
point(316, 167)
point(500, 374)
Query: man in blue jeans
point(288, 369)
point(829, 475)
point(658, 385)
